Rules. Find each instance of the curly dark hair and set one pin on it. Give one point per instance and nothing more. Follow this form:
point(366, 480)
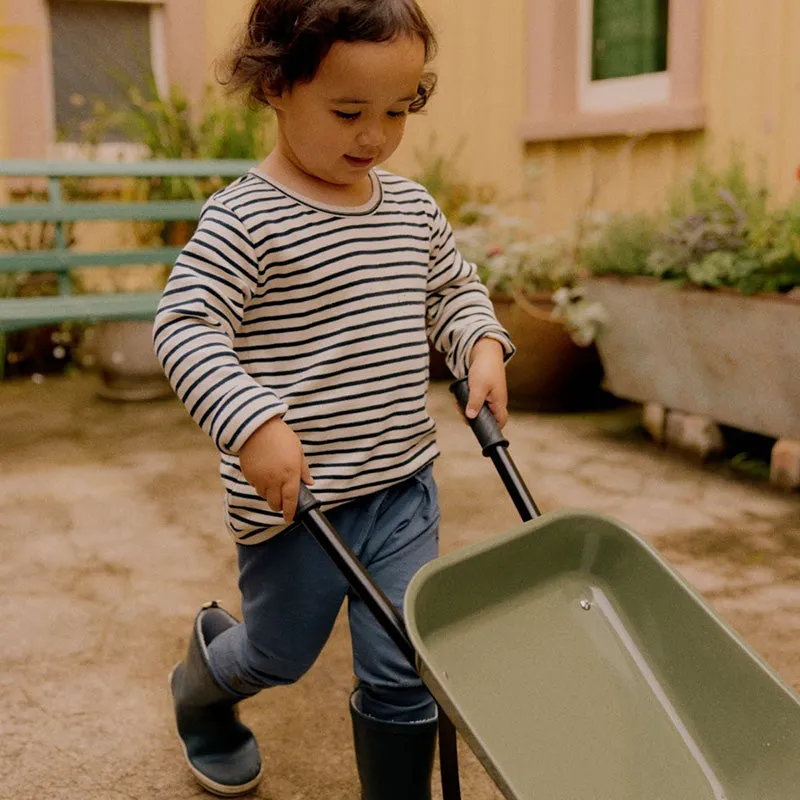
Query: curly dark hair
point(285, 41)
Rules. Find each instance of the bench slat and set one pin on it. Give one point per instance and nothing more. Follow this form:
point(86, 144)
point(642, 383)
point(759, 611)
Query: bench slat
point(55, 260)
point(19, 313)
point(165, 210)
point(166, 168)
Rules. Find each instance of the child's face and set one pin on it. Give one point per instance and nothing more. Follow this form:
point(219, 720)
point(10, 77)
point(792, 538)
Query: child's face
point(351, 115)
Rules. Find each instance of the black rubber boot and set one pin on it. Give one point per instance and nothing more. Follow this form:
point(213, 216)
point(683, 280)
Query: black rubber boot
point(221, 752)
point(395, 759)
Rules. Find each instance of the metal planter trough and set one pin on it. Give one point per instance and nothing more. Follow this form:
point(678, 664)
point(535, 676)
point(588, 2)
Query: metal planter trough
point(719, 354)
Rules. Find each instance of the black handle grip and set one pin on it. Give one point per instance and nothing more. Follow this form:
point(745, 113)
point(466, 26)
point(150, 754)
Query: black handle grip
point(484, 425)
point(305, 501)
point(495, 446)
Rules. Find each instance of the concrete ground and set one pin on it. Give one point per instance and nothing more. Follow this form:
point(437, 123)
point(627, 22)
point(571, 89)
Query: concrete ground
point(111, 537)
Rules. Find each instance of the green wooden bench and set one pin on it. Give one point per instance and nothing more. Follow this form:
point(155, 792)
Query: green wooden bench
point(18, 313)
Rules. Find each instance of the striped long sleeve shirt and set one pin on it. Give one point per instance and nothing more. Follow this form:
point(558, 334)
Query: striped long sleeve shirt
point(280, 305)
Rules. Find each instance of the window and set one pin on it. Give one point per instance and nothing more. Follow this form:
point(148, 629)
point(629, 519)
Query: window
point(613, 67)
point(623, 54)
point(101, 49)
point(629, 37)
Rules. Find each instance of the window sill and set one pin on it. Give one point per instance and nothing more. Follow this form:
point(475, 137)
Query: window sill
point(638, 122)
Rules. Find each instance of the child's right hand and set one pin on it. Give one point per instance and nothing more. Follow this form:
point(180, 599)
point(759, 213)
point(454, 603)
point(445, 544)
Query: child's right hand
point(273, 463)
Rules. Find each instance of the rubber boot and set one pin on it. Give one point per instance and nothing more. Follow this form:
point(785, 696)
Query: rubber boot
point(221, 751)
point(395, 759)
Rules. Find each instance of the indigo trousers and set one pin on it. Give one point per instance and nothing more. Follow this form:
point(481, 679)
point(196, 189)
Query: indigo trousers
point(292, 593)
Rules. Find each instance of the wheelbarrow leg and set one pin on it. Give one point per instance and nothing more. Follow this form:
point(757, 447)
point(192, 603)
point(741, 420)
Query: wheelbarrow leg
point(386, 614)
point(448, 758)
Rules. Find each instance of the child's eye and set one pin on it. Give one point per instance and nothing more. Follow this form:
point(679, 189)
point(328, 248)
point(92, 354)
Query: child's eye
point(347, 116)
point(397, 114)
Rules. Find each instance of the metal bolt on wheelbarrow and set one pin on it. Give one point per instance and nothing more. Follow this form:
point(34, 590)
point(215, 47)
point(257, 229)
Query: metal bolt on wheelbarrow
point(576, 663)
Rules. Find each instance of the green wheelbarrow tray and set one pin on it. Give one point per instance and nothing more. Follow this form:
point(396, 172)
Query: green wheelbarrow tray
point(578, 665)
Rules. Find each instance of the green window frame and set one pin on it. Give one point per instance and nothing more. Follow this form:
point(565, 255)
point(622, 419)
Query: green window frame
point(629, 38)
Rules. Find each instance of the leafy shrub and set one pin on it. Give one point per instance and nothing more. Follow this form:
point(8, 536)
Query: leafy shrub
point(168, 126)
point(618, 245)
point(510, 258)
point(719, 233)
point(459, 200)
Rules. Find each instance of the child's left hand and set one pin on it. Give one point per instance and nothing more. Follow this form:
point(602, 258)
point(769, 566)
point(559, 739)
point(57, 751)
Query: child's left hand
point(487, 380)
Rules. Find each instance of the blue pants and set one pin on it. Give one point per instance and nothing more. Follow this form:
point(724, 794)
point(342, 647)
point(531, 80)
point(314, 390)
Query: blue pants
point(292, 593)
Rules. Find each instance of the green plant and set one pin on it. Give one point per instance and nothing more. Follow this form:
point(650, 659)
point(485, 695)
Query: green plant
point(618, 244)
point(753, 466)
point(583, 319)
point(719, 232)
point(168, 126)
point(459, 200)
point(510, 258)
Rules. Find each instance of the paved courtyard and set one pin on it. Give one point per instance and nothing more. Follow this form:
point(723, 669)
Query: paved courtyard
point(111, 537)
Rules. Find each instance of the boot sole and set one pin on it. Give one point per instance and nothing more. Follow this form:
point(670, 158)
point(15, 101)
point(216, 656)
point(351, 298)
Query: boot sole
point(218, 789)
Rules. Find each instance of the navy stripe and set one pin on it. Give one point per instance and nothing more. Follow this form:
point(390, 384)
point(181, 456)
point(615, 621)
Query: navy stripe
point(346, 301)
point(330, 374)
point(318, 322)
point(359, 418)
point(338, 346)
point(306, 298)
point(378, 227)
point(346, 398)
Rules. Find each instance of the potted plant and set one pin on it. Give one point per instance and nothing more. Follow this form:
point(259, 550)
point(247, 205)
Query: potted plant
point(702, 305)
point(552, 370)
point(523, 273)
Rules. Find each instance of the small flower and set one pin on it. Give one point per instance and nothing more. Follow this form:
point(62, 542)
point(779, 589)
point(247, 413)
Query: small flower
point(797, 173)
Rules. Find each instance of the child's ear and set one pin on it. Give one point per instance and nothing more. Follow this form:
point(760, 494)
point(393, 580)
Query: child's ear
point(273, 98)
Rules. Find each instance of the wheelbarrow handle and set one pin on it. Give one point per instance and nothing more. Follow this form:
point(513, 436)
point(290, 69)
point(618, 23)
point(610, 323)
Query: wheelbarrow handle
point(495, 446)
point(484, 426)
point(353, 570)
point(388, 617)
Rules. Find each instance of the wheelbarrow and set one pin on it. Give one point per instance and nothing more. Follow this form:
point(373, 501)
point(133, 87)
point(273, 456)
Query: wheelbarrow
point(578, 665)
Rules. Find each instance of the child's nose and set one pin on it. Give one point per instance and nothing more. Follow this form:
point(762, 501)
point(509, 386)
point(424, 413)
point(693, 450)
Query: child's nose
point(372, 135)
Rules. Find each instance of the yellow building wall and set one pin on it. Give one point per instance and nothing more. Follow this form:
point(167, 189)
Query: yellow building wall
point(753, 86)
point(479, 101)
point(480, 98)
point(752, 94)
point(5, 72)
point(223, 18)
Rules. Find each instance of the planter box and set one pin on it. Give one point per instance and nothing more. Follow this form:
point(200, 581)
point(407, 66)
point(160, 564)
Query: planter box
point(718, 353)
